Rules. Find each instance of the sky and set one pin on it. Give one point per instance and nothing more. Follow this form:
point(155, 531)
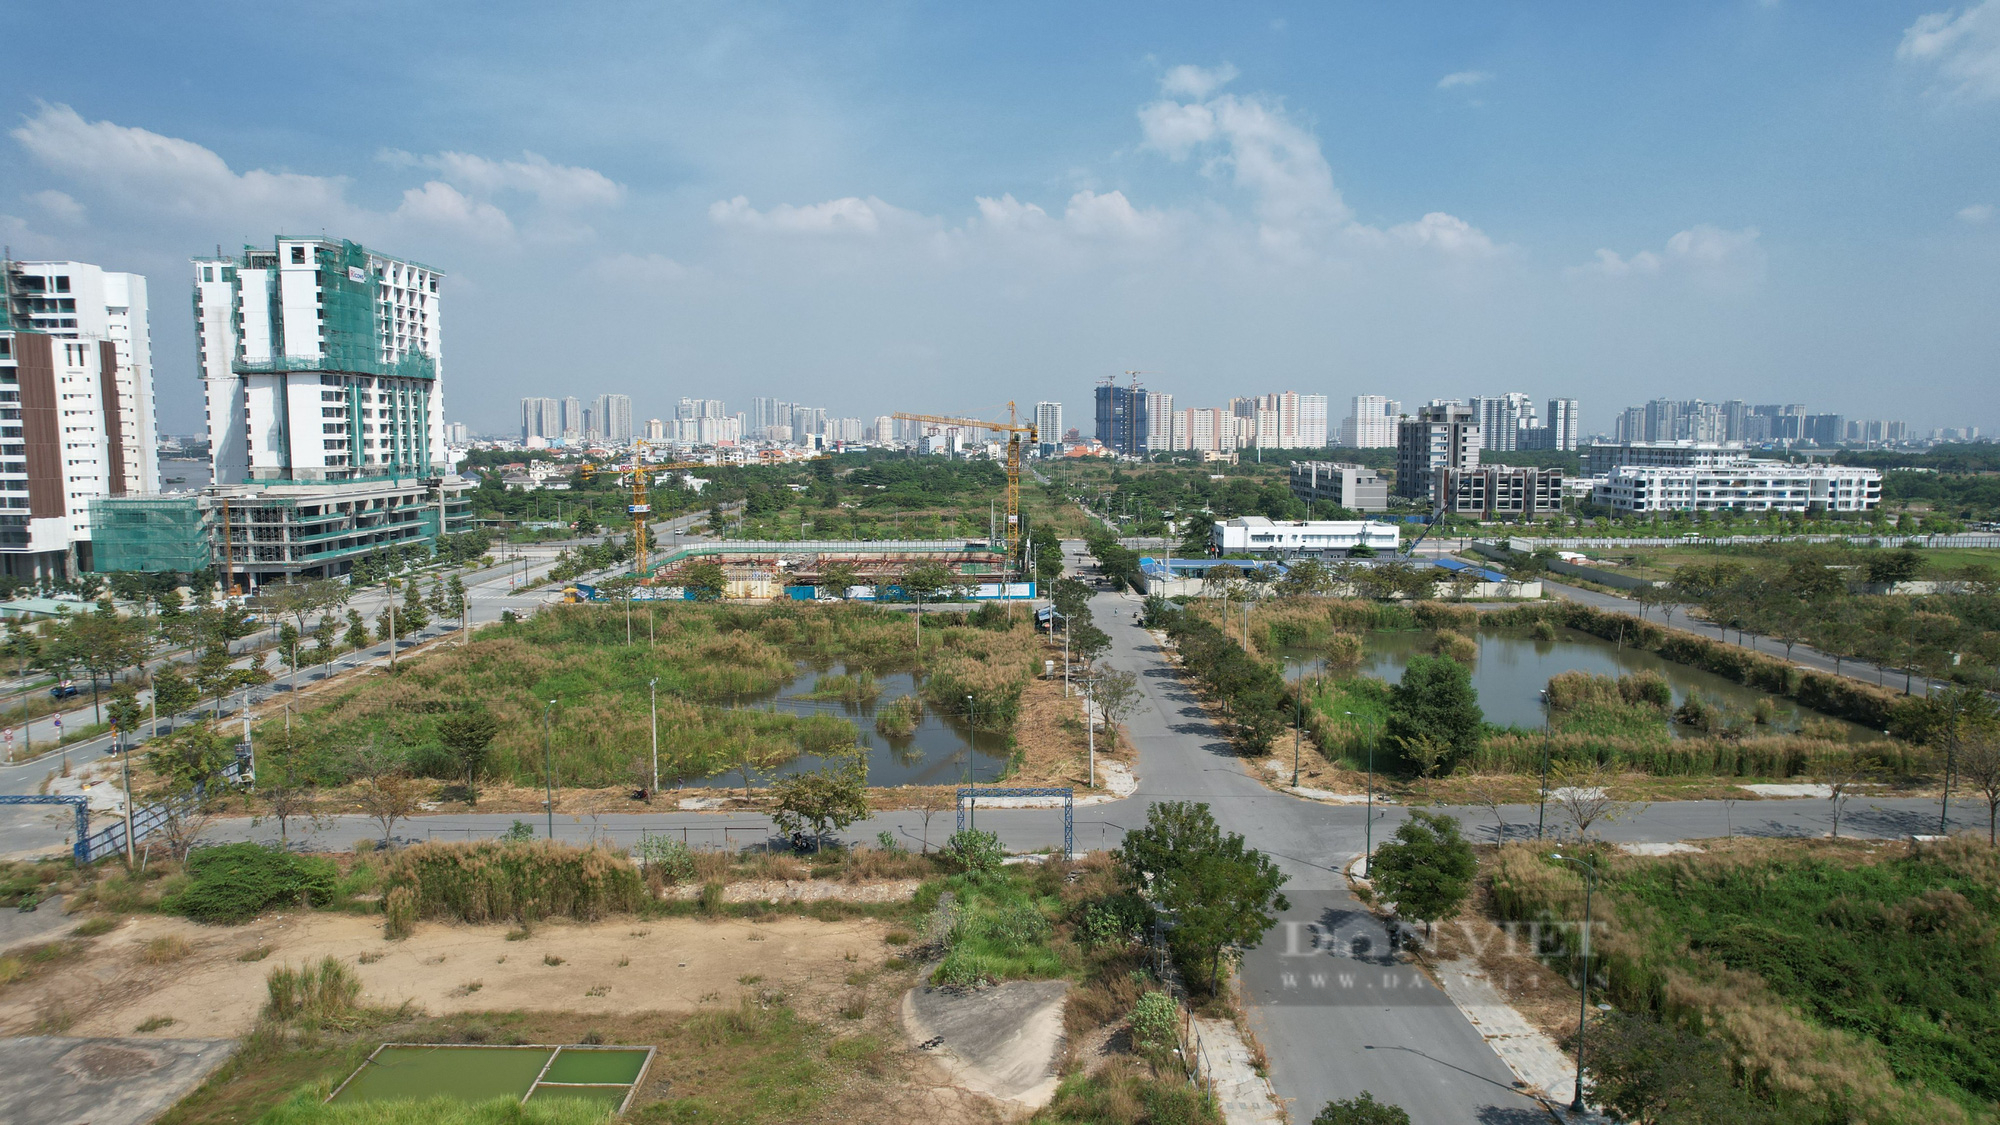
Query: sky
point(942, 207)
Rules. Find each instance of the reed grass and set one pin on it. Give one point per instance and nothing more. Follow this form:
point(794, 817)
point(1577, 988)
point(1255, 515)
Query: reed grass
point(488, 881)
point(321, 995)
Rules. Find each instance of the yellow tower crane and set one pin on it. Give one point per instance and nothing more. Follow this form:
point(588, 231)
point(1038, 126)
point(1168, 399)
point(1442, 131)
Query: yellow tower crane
point(1014, 429)
point(641, 505)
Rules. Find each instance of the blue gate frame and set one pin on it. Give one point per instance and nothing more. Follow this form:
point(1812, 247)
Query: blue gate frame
point(80, 849)
point(969, 795)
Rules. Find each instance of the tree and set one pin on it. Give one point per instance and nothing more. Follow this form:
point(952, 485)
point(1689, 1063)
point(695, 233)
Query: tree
point(1117, 696)
point(1842, 777)
point(1581, 791)
point(1654, 1073)
point(326, 638)
point(927, 580)
point(357, 631)
point(125, 709)
point(821, 801)
point(1088, 642)
point(386, 792)
point(1979, 768)
point(705, 580)
point(1072, 599)
point(1217, 891)
point(189, 757)
point(1363, 1110)
point(1891, 567)
point(837, 578)
point(412, 616)
point(172, 693)
point(1435, 702)
point(102, 643)
point(286, 782)
point(468, 738)
point(1427, 868)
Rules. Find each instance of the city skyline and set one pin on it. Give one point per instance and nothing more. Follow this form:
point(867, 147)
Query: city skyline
point(1233, 199)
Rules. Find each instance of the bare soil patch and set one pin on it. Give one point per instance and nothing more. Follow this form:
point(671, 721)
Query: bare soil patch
point(628, 964)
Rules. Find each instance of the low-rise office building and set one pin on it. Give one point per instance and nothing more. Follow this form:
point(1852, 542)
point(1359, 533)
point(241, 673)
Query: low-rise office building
point(1600, 459)
point(1331, 482)
point(1501, 492)
point(1260, 535)
point(1753, 486)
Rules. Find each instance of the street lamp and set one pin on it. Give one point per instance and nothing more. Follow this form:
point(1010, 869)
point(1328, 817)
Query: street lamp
point(549, 767)
point(653, 689)
point(1298, 722)
point(1368, 847)
point(1583, 1003)
point(1542, 806)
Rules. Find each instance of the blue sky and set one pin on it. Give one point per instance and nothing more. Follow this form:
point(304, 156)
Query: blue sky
point(940, 207)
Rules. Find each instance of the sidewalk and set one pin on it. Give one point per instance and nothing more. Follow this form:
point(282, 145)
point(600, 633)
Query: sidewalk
point(1243, 1095)
point(1534, 1058)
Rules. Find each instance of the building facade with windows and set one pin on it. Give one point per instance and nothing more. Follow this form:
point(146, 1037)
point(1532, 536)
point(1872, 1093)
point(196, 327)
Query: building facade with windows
point(1260, 535)
point(1443, 435)
point(1349, 486)
point(1753, 486)
point(76, 408)
point(1371, 423)
point(1501, 492)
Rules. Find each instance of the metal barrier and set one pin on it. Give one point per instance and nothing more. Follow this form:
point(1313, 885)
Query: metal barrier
point(145, 820)
point(79, 848)
point(971, 794)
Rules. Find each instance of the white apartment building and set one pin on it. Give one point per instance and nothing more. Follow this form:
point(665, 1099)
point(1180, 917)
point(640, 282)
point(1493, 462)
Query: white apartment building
point(76, 408)
point(1371, 423)
point(1601, 458)
point(1262, 535)
point(614, 418)
point(1049, 427)
point(1754, 486)
point(541, 418)
point(320, 361)
point(1502, 419)
point(80, 301)
point(1564, 424)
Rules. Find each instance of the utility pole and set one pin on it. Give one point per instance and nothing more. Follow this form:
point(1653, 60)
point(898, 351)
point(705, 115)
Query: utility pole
point(549, 768)
point(653, 688)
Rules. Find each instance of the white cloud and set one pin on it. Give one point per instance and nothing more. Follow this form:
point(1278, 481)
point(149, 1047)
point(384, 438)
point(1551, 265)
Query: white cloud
point(169, 174)
point(438, 204)
point(1700, 251)
point(851, 215)
point(1464, 78)
point(58, 205)
point(1191, 81)
point(1446, 233)
point(561, 186)
point(1977, 213)
point(1963, 46)
point(1266, 153)
point(1111, 215)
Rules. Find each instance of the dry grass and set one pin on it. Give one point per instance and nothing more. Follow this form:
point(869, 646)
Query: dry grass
point(165, 950)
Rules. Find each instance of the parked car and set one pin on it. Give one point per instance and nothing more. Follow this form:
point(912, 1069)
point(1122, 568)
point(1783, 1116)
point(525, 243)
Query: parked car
point(65, 691)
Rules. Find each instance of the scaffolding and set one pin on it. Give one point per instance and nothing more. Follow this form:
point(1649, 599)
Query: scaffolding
point(151, 533)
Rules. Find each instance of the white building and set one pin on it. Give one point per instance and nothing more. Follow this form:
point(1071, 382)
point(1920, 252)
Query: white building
point(1371, 423)
point(1049, 431)
point(76, 408)
point(884, 430)
point(541, 418)
point(1754, 486)
point(79, 301)
point(1348, 486)
point(1502, 419)
point(656, 430)
point(614, 418)
point(320, 361)
point(1261, 535)
point(1563, 424)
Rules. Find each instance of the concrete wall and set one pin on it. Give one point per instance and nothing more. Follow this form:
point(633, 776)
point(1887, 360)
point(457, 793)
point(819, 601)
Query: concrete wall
point(1572, 570)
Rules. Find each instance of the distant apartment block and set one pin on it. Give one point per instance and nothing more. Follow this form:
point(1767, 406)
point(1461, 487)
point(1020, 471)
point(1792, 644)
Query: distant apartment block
point(1371, 423)
point(1348, 486)
point(1755, 486)
point(541, 418)
point(1601, 458)
point(1121, 419)
point(1443, 435)
point(1049, 427)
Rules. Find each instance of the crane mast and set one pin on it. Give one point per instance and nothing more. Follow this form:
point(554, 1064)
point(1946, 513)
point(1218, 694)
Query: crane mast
point(1013, 428)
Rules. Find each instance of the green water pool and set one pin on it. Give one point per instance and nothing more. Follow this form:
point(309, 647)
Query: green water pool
point(481, 1073)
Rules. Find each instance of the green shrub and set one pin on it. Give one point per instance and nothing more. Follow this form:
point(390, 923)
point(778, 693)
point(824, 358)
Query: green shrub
point(1363, 1110)
point(1155, 1019)
point(974, 852)
point(232, 883)
point(672, 859)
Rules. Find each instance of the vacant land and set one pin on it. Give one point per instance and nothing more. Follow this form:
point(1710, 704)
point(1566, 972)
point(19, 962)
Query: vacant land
point(1849, 981)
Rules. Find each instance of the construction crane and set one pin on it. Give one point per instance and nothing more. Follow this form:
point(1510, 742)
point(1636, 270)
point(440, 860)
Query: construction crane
point(1013, 428)
point(641, 505)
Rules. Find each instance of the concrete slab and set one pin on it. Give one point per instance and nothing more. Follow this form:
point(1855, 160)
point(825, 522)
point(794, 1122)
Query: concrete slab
point(1805, 789)
point(58, 1080)
point(1000, 1041)
point(45, 922)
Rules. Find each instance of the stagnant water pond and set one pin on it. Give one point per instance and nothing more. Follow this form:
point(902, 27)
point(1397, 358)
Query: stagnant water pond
point(942, 750)
point(1513, 667)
